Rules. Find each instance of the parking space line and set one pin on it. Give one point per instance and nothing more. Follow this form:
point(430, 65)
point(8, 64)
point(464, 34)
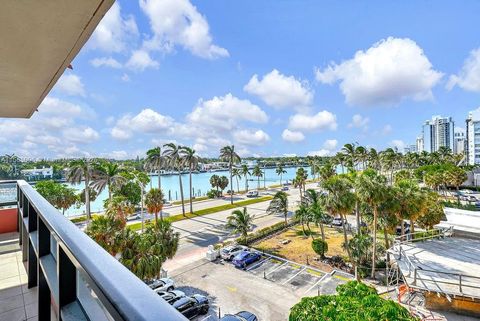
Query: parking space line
point(257, 264)
point(316, 283)
point(276, 268)
point(301, 270)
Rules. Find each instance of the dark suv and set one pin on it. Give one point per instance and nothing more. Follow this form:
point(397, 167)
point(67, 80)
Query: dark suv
point(192, 306)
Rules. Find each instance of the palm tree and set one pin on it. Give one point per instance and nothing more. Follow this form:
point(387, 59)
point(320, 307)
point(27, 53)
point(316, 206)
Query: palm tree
point(300, 180)
point(191, 160)
point(215, 182)
point(370, 190)
point(236, 173)
point(373, 159)
point(155, 160)
point(154, 202)
point(340, 200)
point(119, 208)
point(279, 204)
point(240, 222)
point(228, 154)
point(361, 156)
point(245, 172)
point(257, 172)
point(280, 171)
point(104, 230)
point(79, 170)
point(175, 161)
point(350, 156)
point(388, 159)
point(326, 171)
point(302, 214)
point(456, 176)
point(316, 209)
point(107, 175)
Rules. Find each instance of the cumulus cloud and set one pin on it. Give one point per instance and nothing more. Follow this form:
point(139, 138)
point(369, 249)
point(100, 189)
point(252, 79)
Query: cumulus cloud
point(278, 90)
point(70, 84)
point(225, 112)
point(469, 76)
point(178, 23)
point(321, 153)
point(330, 144)
point(358, 121)
point(106, 62)
point(114, 32)
point(251, 137)
point(146, 121)
point(292, 136)
point(141, 60)
point(390, 71)
point(323, 120)
point(398, 144)
point(80, 135)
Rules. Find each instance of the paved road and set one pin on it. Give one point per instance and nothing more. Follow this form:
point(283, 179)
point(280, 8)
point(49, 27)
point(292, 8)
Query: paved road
point(198, 233)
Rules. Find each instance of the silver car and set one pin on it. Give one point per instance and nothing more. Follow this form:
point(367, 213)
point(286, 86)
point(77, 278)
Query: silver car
point(163, 284)
point(229, 252)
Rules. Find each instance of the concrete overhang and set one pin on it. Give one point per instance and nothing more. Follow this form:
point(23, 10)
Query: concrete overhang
point(38, 40)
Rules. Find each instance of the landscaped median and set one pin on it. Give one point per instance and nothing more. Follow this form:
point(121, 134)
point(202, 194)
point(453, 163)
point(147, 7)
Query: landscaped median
point(206, 211)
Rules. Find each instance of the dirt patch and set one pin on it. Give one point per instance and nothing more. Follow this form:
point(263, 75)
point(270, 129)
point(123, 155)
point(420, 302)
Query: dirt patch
point(295, 246)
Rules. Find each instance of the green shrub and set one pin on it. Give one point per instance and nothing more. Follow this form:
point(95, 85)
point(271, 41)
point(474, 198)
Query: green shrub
point(214, 193)
point(264, 232)
point(320, 247)
point(354, 301)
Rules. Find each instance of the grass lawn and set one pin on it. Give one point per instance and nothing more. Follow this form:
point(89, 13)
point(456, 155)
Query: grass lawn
point(300, 246)
point(196, 199)
point(206, 211)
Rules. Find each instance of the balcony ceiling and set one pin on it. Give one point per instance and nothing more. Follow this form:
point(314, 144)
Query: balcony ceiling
point(38, 40)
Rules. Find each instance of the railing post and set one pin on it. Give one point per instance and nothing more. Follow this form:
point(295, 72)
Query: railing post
point(400, 251)
point(460, 283)
point(415, 276)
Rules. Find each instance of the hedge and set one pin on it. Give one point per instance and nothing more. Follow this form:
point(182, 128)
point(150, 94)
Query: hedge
point(265, 232)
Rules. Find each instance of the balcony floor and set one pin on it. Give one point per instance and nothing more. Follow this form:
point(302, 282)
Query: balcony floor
point(17, 302)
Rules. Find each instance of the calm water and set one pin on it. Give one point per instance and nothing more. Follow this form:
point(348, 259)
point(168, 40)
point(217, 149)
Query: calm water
point(200, 186)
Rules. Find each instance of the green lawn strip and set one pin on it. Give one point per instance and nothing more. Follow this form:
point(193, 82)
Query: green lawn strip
point(202, 198)
point(206, 211)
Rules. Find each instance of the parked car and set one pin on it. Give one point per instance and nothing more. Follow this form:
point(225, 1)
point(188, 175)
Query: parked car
point(252, 194)
point(477, 204)
point(465, 191)
point(133, 217)
point(406, 228)
point(192, 306)
point(338, 221)
point(285, 188)
point(244, 258)
point(171, 296)
point(163, 284)
point(470, 198)
point(240, 316)
point(229, 252)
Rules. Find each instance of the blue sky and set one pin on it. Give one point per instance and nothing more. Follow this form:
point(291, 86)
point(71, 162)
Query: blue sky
point(272, 77)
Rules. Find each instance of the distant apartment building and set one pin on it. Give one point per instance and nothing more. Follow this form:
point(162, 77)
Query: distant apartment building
point(473, 137)
point(419, 144)
point(38, 173)
point(459, 141)
point(410, 149)
point(437, 132)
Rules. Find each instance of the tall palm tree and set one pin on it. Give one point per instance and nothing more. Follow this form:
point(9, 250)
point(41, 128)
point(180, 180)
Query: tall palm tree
point(237, 174)
point(154, 203)
point(119, 208)
point(370, 190)
point(107, 175)
point(258, 173)
point(191, 159)
point(373, 159)
point(245, 172)
point(303, 215)
point(300, 180)
point(279, 204)
point(316, 209)
point(228, 154)
point(280, 171)
point(340, 200)
point(155, 160)
point(326, 171)
point(175, 161)
point(350, 156)
point(240, 222)
point(81, 170)
point(361, 156)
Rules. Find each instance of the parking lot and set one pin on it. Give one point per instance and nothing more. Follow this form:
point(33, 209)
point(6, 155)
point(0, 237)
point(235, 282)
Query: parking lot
point(268, 287)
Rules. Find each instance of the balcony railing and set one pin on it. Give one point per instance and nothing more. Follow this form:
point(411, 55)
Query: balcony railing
point(76, 278)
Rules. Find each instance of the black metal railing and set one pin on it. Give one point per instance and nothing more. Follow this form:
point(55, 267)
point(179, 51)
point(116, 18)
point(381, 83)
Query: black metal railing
point(76, 278)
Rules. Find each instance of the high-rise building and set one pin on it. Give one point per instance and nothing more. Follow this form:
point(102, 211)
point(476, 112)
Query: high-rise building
point(459, 141)
point(437, 132)
point(473, 137)
point(419, 143)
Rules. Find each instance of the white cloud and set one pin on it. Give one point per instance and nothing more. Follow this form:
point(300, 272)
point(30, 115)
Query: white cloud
point(321, 152)
point(120, 134)
point(177, 22)
point(399, 144)
point(226, 112)
point(358, 121)
point(141, 60)
point(330, 144)
point(292, 136)
point(70, 84)
point(391, 70)
point(83, 135)
point(146, 121)
point(114, 32)
point(125, 77)
point(469, 76)
point(320, 121)
point(106, 61)
point(280, 91)
point(251, 137)
point(118, 154)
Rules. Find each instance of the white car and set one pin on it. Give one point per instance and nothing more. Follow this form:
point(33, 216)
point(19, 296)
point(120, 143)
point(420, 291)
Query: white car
point(229, 252)
point(134, 217)
point(163, 284)
point(252, 194)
